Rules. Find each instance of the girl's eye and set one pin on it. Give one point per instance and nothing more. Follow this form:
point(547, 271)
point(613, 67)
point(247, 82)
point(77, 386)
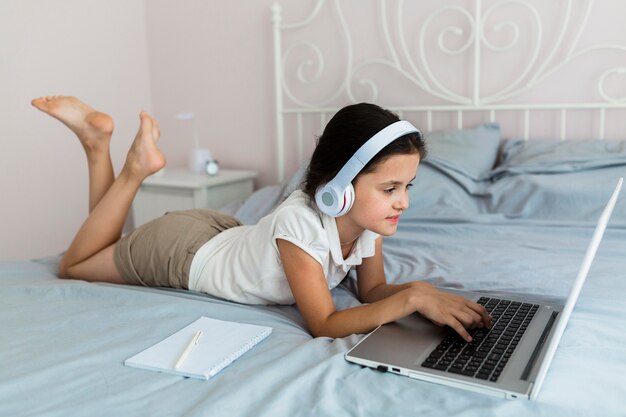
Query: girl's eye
point(392, 189)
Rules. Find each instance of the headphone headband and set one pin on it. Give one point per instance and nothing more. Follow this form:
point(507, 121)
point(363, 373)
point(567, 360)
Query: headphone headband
point(336, 197)
point(370, 149)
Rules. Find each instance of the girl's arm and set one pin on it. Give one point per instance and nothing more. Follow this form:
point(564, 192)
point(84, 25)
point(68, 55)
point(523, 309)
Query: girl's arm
point(372, 284)
point(440, 307)
point(310, 290)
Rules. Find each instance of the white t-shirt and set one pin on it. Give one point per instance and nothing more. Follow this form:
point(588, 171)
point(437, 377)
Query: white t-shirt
point(242, 264)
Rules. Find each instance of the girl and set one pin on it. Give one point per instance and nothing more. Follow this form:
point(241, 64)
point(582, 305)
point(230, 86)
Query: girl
point(295, 254)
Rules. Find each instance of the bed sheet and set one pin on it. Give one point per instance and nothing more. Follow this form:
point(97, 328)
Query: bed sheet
point(63, 342)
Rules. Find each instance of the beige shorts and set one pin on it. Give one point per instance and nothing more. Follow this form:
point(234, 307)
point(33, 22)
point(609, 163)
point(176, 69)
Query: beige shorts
point(159, 253)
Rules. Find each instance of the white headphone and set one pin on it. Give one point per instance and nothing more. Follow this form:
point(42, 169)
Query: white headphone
point(336, 197)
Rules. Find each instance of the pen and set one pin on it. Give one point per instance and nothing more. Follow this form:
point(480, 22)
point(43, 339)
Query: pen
point(192, 343)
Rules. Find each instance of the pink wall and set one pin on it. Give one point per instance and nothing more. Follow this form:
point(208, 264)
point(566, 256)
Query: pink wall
point(211, 57)
point(214, 58)
point(95, 50)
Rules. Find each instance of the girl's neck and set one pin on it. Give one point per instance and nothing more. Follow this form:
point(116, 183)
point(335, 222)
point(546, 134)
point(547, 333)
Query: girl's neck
point(348, 231)
point(349, 242)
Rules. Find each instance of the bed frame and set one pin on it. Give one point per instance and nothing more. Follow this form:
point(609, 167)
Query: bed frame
point(299, 62)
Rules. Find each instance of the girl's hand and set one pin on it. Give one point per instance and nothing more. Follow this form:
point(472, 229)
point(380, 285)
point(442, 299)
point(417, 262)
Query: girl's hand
point(443, 308)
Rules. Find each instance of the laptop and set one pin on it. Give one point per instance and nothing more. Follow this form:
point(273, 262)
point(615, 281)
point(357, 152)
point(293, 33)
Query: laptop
point(509, 360)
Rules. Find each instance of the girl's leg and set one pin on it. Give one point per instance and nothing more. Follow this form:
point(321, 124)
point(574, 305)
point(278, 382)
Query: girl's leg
point(94, 130)
point(90, 256)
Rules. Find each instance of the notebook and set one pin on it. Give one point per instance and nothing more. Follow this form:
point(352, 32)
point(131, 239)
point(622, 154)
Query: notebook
point(511, 359)
point(220, 343)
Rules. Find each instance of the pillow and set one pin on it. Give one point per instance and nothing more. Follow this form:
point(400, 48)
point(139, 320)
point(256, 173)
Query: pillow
point(439, 194)
point(470, 152)
point(264, 200)
point(572, 197)
point(552, 156)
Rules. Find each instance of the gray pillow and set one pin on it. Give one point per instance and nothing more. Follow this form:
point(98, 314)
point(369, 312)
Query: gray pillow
point(552, 156)
point(470, 152)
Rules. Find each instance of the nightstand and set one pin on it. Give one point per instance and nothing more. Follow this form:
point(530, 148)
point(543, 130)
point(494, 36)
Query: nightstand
point(181, 189)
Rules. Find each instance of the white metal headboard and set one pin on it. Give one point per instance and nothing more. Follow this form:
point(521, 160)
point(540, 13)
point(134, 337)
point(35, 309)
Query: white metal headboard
point(473, 25)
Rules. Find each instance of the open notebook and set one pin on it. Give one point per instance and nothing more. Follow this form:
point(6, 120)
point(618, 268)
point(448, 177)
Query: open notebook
point(220, 344)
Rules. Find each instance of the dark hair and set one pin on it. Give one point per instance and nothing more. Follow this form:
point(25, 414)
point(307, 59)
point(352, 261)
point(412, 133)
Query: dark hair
point(344, 134)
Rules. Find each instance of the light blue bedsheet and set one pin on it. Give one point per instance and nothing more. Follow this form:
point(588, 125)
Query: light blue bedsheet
point(62, 343)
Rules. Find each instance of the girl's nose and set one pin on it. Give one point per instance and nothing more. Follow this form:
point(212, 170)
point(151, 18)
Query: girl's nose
point(402, 203)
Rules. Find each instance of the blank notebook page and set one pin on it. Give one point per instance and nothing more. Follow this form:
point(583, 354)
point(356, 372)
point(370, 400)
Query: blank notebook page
point(220, 344)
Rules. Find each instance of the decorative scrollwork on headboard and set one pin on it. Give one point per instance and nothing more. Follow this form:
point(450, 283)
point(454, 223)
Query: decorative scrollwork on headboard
point(430, 46)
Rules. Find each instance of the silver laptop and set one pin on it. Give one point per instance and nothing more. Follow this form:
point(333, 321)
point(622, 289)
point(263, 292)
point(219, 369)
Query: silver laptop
point(511, 359)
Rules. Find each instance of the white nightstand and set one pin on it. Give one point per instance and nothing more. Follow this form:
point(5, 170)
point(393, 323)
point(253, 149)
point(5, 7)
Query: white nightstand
point(180, 189)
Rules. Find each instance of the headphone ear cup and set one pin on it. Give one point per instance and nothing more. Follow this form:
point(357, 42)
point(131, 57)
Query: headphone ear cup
point(348, 197)
point(327, 200)
point(332, 202)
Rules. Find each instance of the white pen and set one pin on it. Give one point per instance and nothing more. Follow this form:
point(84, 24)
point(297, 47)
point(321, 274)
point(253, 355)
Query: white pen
point(192, 343)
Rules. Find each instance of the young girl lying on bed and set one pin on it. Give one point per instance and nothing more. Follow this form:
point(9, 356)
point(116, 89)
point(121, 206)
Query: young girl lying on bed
point(295, 254)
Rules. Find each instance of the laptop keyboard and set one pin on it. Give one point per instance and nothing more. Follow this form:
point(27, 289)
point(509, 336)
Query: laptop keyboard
point(490, 349)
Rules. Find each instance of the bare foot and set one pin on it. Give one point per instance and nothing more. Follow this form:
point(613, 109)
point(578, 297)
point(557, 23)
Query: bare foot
point(144, 158)
point(92, 127)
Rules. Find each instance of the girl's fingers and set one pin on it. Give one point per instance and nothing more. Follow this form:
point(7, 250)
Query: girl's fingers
point(482, 312)
point(460, 314)
point(460, 329)
point(468, 317)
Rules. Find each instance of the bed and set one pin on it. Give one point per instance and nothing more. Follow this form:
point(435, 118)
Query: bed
point(491, 210)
